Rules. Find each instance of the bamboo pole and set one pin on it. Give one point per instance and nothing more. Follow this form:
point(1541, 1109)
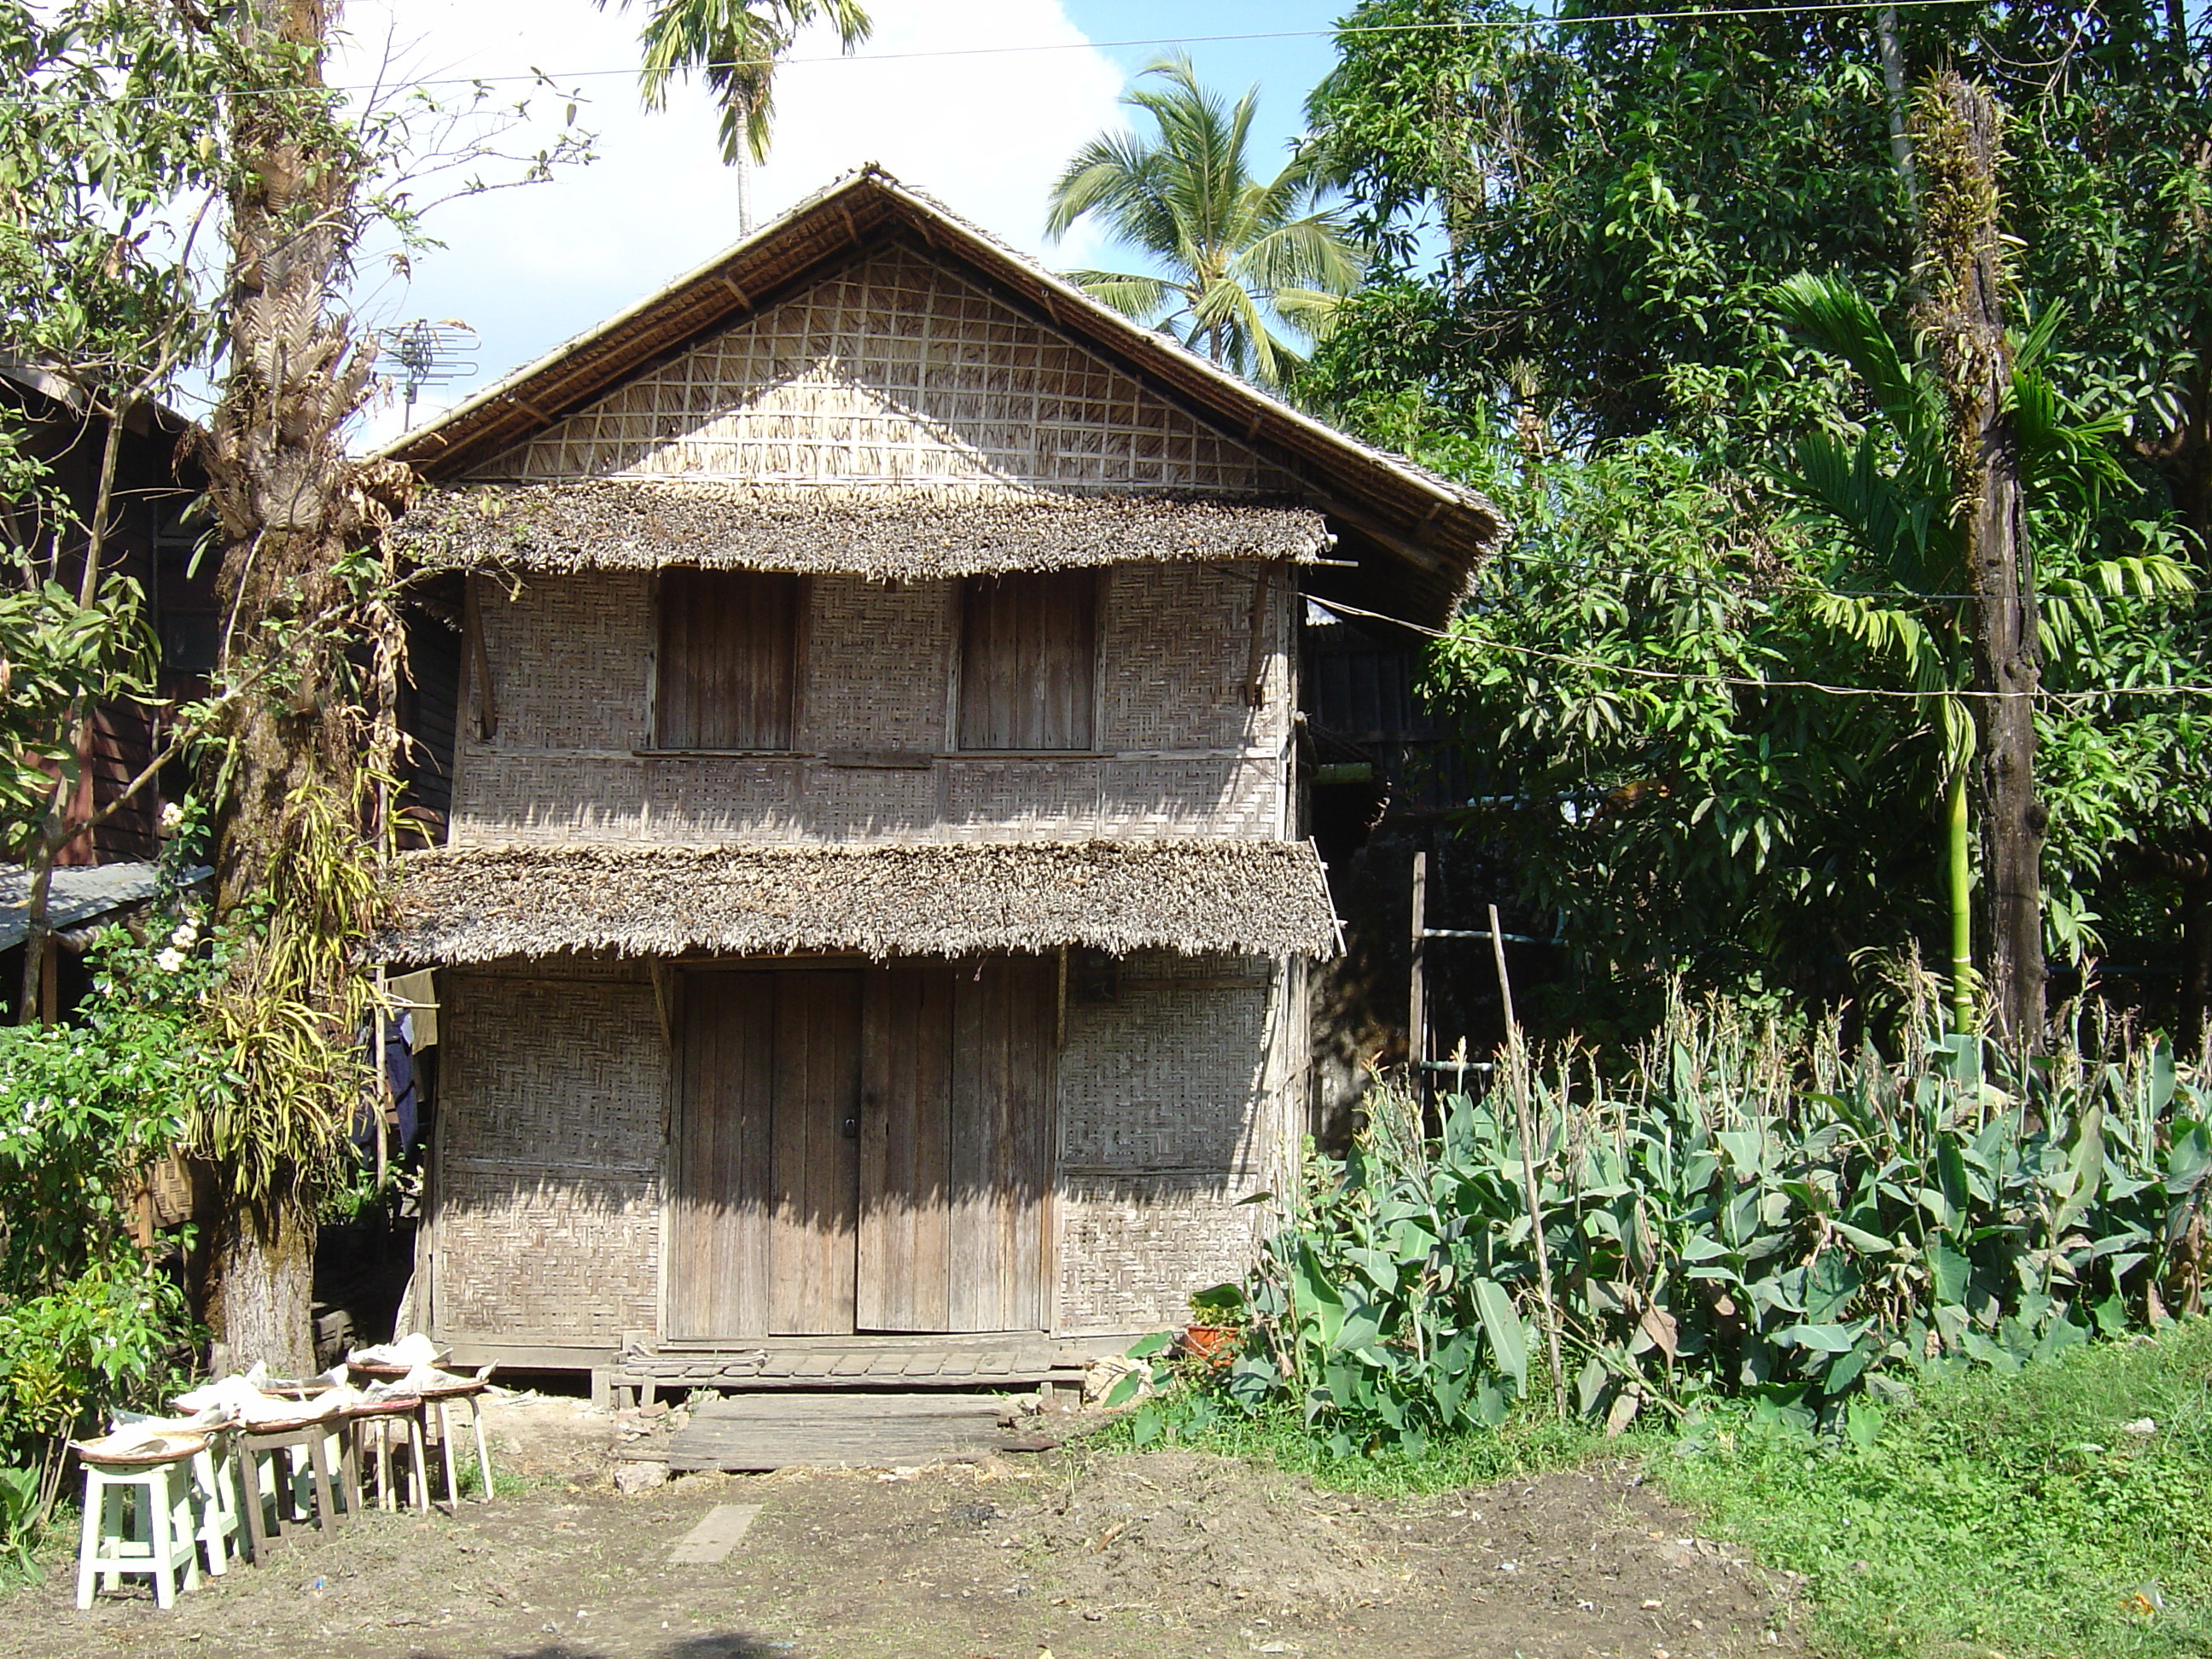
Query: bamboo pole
point(1417, 1013)
point(1517, 1074)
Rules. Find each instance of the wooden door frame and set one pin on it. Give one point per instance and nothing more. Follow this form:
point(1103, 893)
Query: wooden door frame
point(672, 981)
point(679, 970)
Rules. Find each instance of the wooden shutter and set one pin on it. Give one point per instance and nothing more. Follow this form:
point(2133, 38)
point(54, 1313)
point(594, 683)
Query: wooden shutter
point(956, 1149)
point(767, 1165)
point(729, 659)
point(1028, 646)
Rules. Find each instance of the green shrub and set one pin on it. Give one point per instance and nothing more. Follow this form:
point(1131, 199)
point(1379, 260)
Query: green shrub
point(1803, 1226)
point(87, 1322)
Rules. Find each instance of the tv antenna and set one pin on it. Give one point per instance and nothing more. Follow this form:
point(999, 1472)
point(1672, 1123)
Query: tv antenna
point(428, 354)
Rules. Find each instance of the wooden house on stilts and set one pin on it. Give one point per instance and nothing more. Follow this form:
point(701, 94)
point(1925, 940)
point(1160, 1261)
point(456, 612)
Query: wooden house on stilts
point(872, 902)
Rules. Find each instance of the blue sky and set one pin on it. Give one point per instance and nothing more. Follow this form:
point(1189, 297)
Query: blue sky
point(1287, 67)
point(935, 96)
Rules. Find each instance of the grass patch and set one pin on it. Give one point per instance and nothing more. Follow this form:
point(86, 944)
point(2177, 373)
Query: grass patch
point(2010, 1514)
point(1530, 1442)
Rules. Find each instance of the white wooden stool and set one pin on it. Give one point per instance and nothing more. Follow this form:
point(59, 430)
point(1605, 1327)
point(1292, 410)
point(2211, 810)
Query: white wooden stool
point(162, 1537)
point(215, 1502)
point(444, 1400)
point(405, 1416)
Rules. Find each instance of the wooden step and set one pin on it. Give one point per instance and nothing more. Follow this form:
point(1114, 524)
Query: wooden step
point(750, 1434)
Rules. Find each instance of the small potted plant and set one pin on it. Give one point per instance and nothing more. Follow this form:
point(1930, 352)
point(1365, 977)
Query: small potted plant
point(1217, 1319)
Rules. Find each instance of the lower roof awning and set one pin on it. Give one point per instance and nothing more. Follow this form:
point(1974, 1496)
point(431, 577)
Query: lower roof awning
point(1190, 894)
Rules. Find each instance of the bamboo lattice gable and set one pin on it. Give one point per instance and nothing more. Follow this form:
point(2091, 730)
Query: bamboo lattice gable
point(1414, 536)
point(896, 373)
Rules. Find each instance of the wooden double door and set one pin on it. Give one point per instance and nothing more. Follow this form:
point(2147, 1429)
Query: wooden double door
point(861, 1149)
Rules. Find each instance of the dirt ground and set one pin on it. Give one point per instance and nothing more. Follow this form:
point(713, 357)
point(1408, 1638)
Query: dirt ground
point(1069, 1554)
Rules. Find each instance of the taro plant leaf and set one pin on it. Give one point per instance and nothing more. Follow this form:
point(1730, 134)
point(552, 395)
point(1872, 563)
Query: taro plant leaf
point(1359, 1330)
point(1501, 1322)
point(1823, 1339)
point(1952, 1272)
point(1251, 1381)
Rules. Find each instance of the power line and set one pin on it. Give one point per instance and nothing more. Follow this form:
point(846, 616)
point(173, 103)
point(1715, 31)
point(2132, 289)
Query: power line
point(1528, 25)
point(1681, 676)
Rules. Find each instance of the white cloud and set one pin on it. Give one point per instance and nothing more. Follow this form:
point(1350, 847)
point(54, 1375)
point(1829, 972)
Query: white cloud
point(985, 133)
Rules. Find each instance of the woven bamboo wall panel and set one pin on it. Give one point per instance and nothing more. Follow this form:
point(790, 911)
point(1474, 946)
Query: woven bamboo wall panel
point(879, 660)
point(1177, 647)
point(1170, 1078)
point(569, 662)
point(563, 1261)
point(896, 373)
point(1192, 797)
point(551, 1073)
point(1132, 1249)
point(1015, 800)
point(550, 1133)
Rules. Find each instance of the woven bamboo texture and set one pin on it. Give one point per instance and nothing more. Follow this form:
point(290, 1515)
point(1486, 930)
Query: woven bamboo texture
point(896, 373)
point(548, 1219)
point(1174, 1104)
point(1184, 753)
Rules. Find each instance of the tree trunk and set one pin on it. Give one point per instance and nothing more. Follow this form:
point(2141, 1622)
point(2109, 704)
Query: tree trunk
point(1963, 275)
point(2197, 978)
point(262, 1281)
point(289, 504)
point(1888, 44)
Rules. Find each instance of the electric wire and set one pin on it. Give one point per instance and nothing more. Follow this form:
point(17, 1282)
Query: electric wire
point(1750, 682)
point(548, 78)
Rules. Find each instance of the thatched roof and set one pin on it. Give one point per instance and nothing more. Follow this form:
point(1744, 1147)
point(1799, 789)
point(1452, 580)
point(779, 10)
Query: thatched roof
point(1412, 537)
point(629, 525)
point(468, 904)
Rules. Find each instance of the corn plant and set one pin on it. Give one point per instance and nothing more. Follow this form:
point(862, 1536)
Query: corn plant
point(1737, 1215)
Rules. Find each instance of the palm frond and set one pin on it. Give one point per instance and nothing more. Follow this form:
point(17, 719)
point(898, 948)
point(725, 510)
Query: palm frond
point(1142, 298)
point(1314, 251)
point(1314, 312)
point(1835, 318)
point(734, 46)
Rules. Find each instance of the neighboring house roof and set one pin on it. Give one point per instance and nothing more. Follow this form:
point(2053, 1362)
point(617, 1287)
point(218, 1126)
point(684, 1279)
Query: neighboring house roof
point(1199, 434)
point(1192, 895)
point(79, 896)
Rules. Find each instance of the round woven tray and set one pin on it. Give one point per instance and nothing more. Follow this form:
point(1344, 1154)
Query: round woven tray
point(122, 1451)
point(364, 1373)
point(458, 1386)
point(392, 1405)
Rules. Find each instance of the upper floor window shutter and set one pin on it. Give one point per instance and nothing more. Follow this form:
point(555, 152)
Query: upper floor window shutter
point(729, 670)
point(1028, 646)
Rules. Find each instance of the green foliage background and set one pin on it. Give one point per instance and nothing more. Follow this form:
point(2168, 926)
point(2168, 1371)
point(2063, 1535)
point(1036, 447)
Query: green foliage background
point(1582, 221)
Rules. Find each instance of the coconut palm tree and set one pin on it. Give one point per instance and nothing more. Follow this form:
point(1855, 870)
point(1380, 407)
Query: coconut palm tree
point(1246, 260)
point(736, 44)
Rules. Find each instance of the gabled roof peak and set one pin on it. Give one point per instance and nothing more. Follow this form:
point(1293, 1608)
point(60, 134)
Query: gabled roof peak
point(1415, 536)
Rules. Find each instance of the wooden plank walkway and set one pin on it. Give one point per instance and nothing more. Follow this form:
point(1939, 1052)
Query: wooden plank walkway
point(752, 1433)
point(1010, 1359)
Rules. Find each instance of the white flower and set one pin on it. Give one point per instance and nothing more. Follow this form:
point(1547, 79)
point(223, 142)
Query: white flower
point(187, 936)
point(170, 960)
point(172, 818)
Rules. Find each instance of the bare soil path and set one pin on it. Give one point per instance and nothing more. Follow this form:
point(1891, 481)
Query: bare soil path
point(1074, 1555)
